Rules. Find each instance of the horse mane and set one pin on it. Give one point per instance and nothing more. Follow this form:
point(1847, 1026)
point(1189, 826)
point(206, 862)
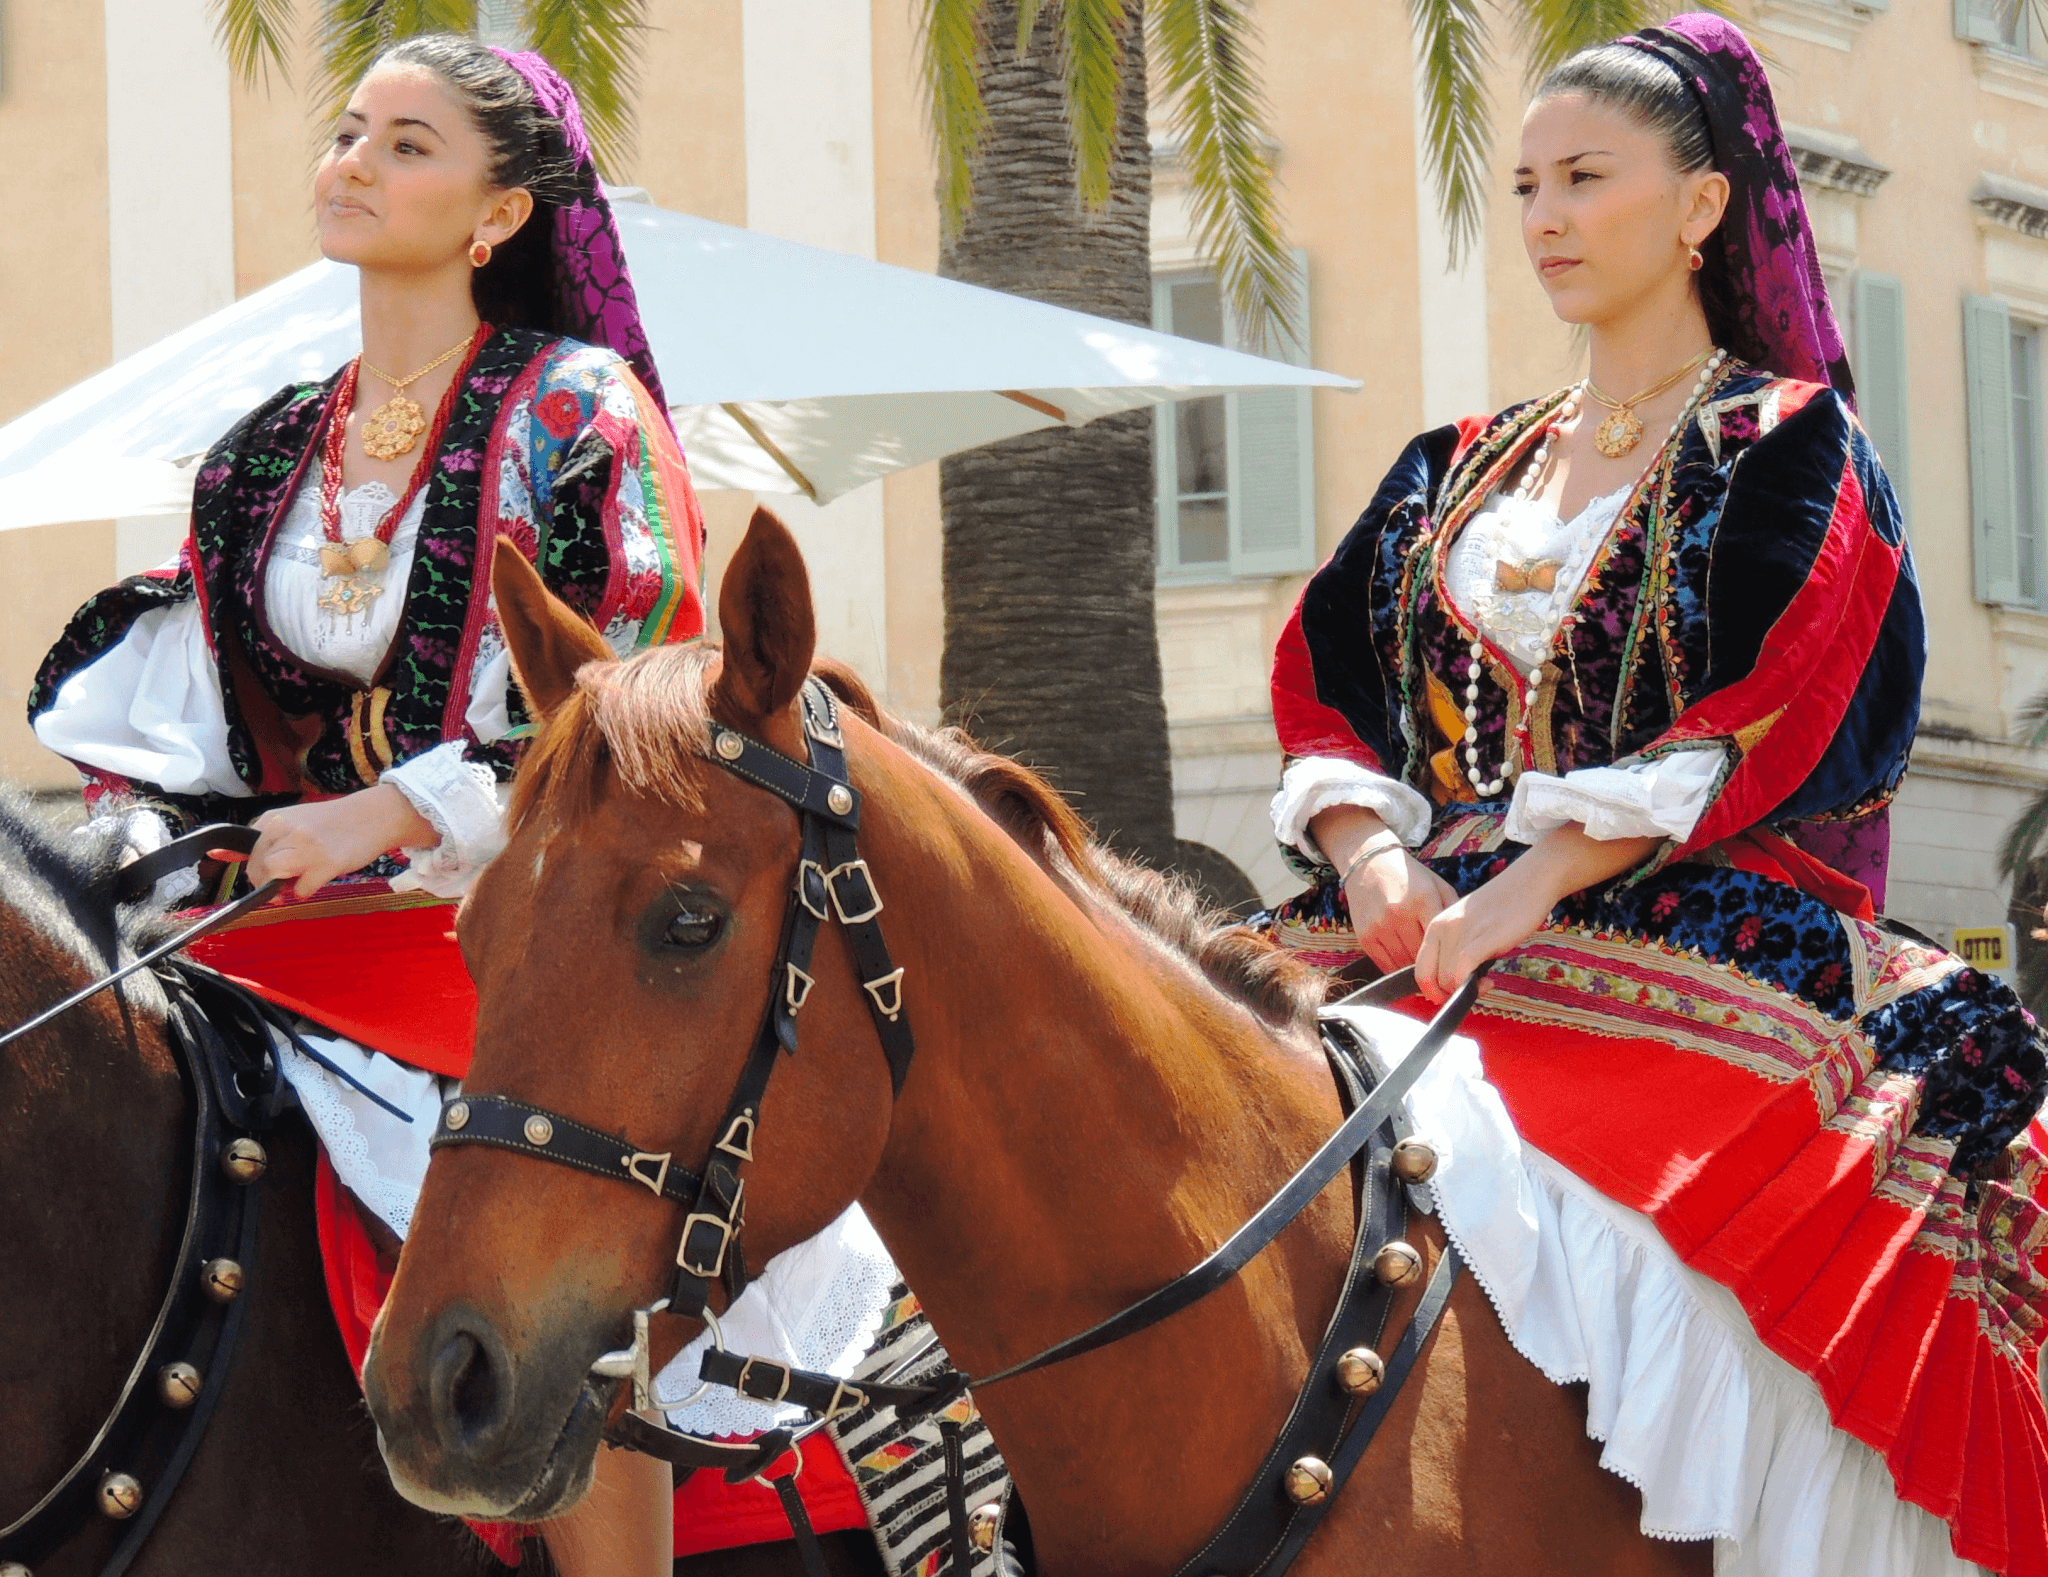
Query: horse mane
point(648, 719)
point(58, 867)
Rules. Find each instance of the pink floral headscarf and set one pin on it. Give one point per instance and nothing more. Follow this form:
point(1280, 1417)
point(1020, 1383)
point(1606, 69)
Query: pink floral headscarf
point(1765, 238)
point(594, 299)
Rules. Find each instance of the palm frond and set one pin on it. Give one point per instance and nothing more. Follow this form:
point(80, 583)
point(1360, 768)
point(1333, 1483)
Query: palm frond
point(1547, 31)
point(2024, 837)
point(595, 44)
point(1093, 61)
point(352, 33)
point(1457, 117)
point(1205, 67)
point(253, 34)
point(1027, 20)
point(952, 44)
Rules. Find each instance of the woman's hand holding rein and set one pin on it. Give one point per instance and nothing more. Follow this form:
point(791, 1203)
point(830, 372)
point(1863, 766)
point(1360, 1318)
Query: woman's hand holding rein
point(1504, 913)
point(312, 843)
point(1404, 913)
point(1392, 897)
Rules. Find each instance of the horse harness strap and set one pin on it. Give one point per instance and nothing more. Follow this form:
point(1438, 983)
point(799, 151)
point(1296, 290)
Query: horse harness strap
point(133, 1464)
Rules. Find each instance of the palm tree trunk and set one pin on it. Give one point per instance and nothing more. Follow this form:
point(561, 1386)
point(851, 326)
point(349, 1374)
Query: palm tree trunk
point(1052, 649)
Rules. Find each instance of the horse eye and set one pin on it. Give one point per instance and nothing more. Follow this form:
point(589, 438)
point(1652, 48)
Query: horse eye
point(692, 928)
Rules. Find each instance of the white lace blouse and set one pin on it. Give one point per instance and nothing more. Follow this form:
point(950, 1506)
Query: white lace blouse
point(150, 708)
point(1653, 799)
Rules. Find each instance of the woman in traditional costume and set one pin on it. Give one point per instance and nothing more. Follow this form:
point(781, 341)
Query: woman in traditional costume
point(323, 661)
point(1613, 689)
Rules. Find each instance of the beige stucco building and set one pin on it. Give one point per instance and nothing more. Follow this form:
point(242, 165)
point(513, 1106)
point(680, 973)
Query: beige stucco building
point(146, 188)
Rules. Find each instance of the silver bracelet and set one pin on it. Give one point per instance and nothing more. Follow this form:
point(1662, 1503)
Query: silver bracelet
point(1379, 843)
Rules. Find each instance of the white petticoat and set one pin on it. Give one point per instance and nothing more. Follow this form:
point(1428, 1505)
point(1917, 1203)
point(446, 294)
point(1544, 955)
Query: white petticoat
point(816, 1306)
point(1725, 1439)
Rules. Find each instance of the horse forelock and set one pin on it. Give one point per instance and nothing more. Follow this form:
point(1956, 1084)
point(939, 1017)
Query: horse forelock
point(648, 721)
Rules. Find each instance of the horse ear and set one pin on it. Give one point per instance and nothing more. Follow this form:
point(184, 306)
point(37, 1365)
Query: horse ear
point(768, 630)
point(549, 639)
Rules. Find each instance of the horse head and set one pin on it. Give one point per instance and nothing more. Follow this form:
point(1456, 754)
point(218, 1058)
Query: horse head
point(621, 986)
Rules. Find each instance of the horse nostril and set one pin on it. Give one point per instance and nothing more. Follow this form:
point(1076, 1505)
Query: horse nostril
point(469, 1395)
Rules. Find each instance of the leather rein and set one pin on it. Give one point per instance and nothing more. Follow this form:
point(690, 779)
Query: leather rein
point(1350, 1387)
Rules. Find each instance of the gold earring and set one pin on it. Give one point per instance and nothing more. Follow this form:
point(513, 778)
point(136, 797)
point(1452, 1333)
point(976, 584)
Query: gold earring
point(480, 254)
point(1695, 262)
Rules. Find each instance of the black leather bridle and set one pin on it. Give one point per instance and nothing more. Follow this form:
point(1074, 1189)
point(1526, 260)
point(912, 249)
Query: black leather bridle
point(1332, 1416)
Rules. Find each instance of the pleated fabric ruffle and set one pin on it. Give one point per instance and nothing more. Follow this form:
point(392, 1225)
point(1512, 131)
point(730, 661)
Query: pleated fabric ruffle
point(1724, 1439)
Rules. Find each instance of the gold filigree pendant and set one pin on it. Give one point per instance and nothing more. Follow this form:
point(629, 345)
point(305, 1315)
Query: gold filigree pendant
point(393, 428)
point(1620, 433)
point(355, 577)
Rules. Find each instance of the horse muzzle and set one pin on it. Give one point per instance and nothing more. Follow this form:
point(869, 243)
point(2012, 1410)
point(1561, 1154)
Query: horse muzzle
point(468, 1428)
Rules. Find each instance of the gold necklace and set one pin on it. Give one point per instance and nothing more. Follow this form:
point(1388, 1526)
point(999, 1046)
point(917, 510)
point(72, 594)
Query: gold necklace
point(1623, 430)
point(395, 426)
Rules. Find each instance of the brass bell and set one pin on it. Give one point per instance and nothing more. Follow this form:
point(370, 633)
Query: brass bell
point(1397, 1264)
point(178, 1384)
point(120, 1496)
point(1360, 1371)
point(223, 1279)
point(1308, 1481)
point(982, 1523)
point(244, 1160)
point(1414, 1160)
point(14, 1569)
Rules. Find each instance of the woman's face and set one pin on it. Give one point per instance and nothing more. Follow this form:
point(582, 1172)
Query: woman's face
point(1608, 223)
point(404, 185)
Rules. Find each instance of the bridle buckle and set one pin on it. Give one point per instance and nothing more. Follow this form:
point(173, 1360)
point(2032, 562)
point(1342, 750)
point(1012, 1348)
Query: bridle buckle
point(638, 1158)
point(845, 1399)
point(812, 898)
point(747, 1369)
point(869, 901)
point(727, 1229)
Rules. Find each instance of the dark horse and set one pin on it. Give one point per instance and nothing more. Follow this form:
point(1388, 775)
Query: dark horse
point(95, 1151)
point(1105, 1086)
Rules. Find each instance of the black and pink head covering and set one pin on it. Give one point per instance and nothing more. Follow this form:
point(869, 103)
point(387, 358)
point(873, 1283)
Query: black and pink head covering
point(1765, 239)
point(594, 299)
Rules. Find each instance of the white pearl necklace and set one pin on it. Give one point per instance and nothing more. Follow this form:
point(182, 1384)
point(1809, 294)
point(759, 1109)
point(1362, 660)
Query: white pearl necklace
point(1532, 477)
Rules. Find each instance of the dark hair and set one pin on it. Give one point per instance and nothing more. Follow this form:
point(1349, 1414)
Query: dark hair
point(516, 288)
point(1648, 89)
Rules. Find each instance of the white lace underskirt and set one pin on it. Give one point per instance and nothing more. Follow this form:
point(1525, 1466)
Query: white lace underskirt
point(815, 1306)
point(1725, 1440)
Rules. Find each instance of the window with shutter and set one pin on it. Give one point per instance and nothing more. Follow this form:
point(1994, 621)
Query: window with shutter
point(2026, 461)
point(1993, 22)
point(1879, 319)
point(1987, 360)
point(1235, 474)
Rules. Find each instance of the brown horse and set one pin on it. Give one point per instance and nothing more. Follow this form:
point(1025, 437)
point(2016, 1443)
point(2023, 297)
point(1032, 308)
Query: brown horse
point(95, 1152)
point(1105, 1087)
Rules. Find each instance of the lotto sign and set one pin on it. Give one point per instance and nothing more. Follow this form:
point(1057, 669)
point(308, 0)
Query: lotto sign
point(1991, 948)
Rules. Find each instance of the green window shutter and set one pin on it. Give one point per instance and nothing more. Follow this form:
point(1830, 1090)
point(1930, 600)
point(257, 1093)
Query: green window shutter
point(1272, 466)
point(1165, 462)
point(1987, 365)
point(1981, 20)
point(1881, 373)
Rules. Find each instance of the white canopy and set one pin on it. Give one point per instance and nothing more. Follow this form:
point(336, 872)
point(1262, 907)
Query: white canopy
point(789, 370)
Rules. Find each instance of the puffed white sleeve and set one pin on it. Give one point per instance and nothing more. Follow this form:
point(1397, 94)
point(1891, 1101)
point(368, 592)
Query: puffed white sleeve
point(1659, 798)
point(1315, 783)
point(462, 800)
point(149, 709)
